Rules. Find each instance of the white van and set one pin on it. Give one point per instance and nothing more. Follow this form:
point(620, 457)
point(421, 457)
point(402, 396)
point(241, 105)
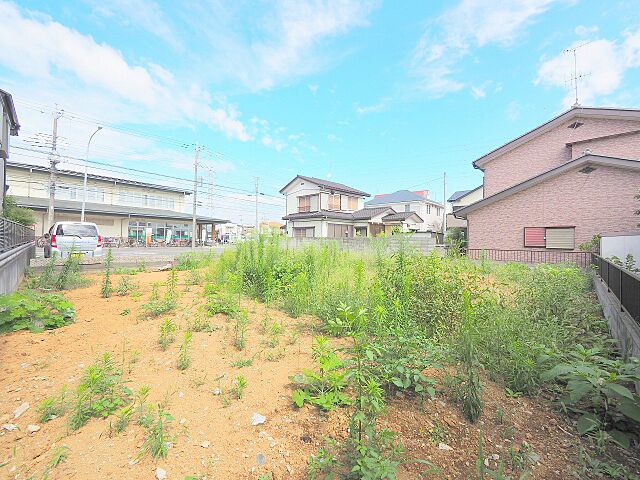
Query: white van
point(81, 238)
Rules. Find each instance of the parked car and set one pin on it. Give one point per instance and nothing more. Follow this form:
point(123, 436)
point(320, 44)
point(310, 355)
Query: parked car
point(78, 238)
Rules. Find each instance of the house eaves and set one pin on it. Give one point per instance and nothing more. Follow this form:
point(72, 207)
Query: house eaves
point(10, 108)
point(362, 214)
point(603, 137)
point(573, 164)
point(328, 185)
point(573, 112)
point(459, 195)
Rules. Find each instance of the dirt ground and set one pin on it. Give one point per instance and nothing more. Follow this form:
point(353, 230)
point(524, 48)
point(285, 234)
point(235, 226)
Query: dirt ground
point(214, 437)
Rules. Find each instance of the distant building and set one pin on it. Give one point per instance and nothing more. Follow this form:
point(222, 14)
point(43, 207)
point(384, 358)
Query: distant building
point(9, 127)
point(120, 207)
point(560, 184)
point(458, 200)
point(323, 209)
point(405, 201)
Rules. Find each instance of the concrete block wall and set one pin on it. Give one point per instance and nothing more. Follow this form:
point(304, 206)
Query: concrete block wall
point(13, 265)
point(366, 244)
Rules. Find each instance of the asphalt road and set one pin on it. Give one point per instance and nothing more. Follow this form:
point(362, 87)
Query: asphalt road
point(151, 251)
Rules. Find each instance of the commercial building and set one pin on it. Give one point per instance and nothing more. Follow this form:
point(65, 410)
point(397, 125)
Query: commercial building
point(120, 207)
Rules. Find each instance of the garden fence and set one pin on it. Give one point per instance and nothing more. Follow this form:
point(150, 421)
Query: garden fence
point(13, 235)
point(621, 282)
point(529, 256)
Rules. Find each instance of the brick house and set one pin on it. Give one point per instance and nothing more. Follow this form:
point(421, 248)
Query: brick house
point(559, 184)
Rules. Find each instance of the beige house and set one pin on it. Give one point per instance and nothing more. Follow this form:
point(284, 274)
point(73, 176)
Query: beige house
point(461, 199)
point(120, 207)
point(558, 185)
point(323, 209)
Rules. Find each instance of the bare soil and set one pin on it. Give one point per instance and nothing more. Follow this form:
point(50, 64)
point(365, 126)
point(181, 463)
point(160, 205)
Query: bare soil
point(36, 366)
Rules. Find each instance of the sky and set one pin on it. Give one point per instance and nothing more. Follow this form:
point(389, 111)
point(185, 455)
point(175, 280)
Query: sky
point(378, 95)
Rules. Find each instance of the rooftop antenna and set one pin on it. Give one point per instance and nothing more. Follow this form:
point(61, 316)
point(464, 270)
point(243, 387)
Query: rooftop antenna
point(576, 77)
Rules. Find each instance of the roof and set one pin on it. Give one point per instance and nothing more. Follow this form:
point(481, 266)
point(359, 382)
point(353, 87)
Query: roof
point(573, 112)
point(7, 99)
point(461, 193)
point(369, 213)
point(394, 217)
point(554, 172)
point(117, 210)
point(339, 187)
point(401, 196)
point(43, 168)
point(362, 214)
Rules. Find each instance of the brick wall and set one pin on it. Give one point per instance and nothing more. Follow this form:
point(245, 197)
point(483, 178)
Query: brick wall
point(599, 202)
point(549, 150)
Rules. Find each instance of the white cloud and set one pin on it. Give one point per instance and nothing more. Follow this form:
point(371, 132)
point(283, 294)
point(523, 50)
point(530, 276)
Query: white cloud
point(583, 30)
point(513, 110)
point(145, 14)
point(63, 62)
point(603, 64)
point(454, 34)
point(478, 92)
point(375, 107)
point(313, 88)
point(286, 41)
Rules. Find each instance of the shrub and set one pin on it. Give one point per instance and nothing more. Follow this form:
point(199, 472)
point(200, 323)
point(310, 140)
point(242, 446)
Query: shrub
point(100, 393)
point(35, 311)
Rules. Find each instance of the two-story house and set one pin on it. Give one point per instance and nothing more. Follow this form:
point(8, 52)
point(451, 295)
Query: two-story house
point(9, 126)
point(559, 184)
point(324, 209)
point(120, 207)
point(405, 201)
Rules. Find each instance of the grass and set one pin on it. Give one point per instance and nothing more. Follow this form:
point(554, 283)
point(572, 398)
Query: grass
point(167, 333)
point(35, 311)
point(100, 393)
point(184, 356)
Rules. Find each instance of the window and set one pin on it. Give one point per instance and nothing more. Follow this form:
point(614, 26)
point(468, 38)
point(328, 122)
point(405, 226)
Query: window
point(534, 237)
point(353, 203)
point(77, 230)
point(304, 232)
point(550, 237)
point(563, 238)
point(334, 202)
point(407, 208)
point(304, 203)
point(428, 209)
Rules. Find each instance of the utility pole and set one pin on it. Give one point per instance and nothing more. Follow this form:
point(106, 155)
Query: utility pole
point(194, 226)
point(444, 204)
point(53, 162)
point(257, 193)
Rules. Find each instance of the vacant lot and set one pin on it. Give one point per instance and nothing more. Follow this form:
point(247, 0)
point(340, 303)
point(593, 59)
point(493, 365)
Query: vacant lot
point(207, 390)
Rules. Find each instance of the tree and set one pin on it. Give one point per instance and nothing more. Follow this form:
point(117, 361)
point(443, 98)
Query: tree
point(11, 211)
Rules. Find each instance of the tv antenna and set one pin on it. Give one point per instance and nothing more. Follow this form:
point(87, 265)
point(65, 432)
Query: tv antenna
point(576, 77)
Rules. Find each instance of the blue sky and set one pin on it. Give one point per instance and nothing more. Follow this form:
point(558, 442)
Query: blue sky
point(379, 95)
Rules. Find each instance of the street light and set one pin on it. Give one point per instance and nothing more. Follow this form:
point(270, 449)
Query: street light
point(86, 164)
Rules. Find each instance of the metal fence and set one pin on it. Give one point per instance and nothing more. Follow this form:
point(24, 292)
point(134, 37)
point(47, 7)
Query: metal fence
point(13, 235)
point(622, 283)
point(529, 256)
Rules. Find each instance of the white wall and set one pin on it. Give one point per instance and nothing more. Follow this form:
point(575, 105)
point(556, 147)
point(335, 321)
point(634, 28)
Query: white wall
point(620, 246)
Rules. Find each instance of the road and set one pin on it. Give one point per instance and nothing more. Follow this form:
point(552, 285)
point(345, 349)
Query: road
point(152, 251)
